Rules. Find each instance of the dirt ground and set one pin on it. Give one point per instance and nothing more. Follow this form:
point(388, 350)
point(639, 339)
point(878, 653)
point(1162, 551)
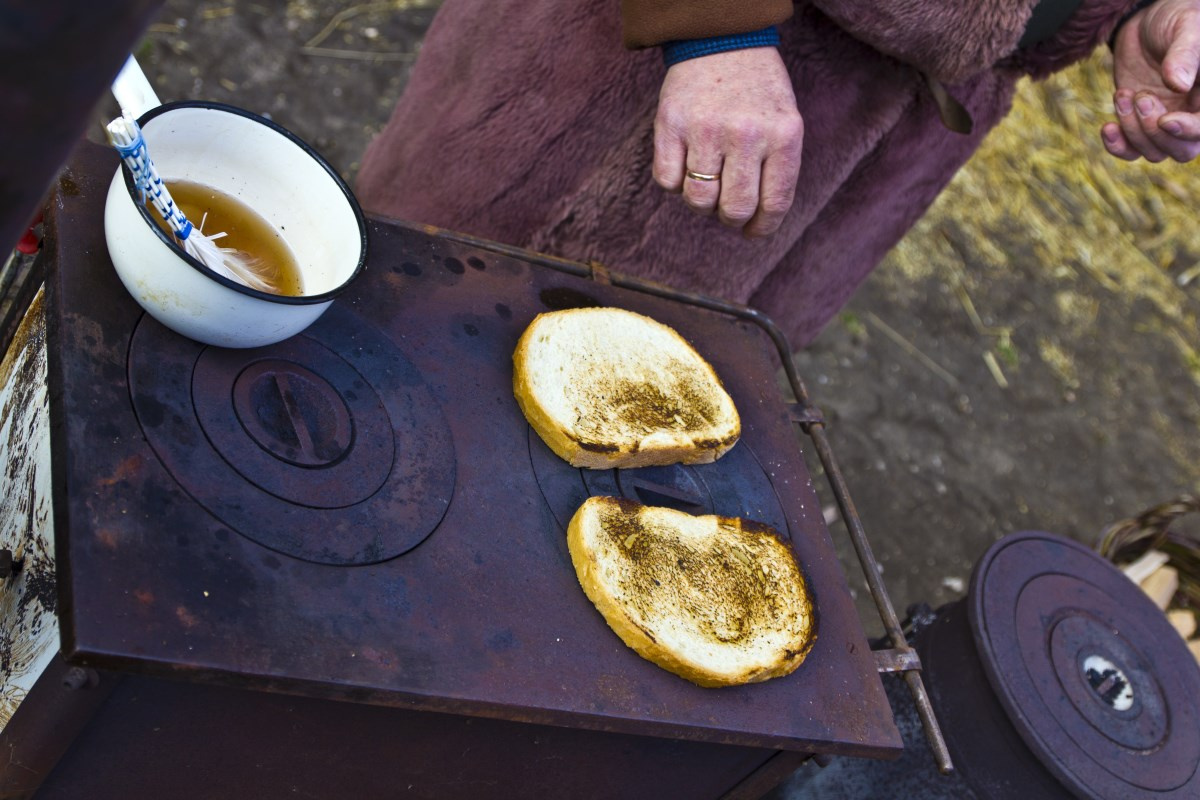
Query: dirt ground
point(974, 387)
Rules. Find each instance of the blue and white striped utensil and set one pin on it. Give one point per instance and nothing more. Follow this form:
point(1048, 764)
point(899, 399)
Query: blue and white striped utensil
point(126, 136)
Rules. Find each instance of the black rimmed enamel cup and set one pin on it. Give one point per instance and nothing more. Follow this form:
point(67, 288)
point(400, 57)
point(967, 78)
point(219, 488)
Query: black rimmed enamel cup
point(274, 173)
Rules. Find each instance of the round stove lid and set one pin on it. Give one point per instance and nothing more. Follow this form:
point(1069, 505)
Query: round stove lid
point(328, 447)
point(1096, 681)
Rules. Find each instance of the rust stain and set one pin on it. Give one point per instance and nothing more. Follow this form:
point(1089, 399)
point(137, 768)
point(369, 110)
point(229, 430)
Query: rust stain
point(144, 596)
point(376, 656)
point(125, 470)
point(616, 690)
point(108, 538)
point(188, 619)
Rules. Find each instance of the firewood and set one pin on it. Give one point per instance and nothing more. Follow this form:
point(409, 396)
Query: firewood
point(1161, 586)
point(1183, 621)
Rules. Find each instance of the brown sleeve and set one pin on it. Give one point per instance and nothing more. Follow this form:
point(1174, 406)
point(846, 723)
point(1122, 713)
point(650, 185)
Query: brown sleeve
point(646, 23)
point(951, 40)
point(1088, 27)
point(948, 39)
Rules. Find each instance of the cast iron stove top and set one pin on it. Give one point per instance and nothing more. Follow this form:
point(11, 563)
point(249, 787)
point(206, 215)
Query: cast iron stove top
point(362, 513)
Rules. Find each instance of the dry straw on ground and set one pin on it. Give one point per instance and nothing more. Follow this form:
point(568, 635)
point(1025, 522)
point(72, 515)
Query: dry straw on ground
point(1097, 231)
point(1043, 177)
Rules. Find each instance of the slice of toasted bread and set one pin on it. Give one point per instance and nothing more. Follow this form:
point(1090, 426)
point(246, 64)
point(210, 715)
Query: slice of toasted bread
point(607, 388)
point(717, 600)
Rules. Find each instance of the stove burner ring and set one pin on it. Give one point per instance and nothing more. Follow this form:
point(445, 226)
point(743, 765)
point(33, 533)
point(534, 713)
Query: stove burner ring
point(293, 413)
point(1081, 662)
point(327, 446)
point(303, 407)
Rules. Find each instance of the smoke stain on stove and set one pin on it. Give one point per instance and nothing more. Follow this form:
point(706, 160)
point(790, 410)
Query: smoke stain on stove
point(502, 641)
point(453, 265)
point(394, 598)
point(108, 430)
point(151, 412)
point(410, 269)
point(470, 330)
point(476, 263)
point(562, 297)
point(503, 311)
point(158, 501)
point(67, 185)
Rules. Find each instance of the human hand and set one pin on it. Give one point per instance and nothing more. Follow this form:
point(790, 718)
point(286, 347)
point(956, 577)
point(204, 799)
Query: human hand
point(1155, 60)
point(732, 115)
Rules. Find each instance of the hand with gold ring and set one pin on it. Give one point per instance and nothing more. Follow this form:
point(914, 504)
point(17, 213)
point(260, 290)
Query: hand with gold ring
point(728, 137)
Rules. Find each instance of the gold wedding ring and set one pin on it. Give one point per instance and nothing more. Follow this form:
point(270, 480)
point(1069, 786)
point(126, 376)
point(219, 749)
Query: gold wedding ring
point(703, 176)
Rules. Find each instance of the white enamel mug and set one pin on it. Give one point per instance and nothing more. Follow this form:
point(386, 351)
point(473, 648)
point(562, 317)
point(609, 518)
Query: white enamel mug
point(273, 172)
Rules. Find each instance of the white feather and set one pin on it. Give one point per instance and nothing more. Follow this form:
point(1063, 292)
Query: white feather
point(124, 134)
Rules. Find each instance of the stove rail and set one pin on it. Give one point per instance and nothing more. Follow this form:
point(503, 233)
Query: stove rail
point(901, 657)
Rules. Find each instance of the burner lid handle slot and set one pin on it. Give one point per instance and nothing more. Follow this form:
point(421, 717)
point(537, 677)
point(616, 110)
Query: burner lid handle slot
point(657, 493)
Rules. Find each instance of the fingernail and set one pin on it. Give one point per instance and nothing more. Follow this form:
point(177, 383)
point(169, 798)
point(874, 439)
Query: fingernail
point(1172, 127)
point(1145, 106)
point(1124, 106)
point(1110, 136)
point(1182, 77)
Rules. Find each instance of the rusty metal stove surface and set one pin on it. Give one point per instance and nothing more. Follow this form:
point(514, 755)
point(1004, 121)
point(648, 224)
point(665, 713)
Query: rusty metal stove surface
point(361, 512)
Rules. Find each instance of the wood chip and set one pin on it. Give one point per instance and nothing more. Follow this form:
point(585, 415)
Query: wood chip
point(1161, 586)
point(1183, 621)
point(1141, 569)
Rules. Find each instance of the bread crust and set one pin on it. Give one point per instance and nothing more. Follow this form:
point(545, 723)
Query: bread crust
point(624, 444)
point(766, 627)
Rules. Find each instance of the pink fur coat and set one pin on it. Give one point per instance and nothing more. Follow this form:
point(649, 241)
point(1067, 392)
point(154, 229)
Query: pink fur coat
point(527, 122)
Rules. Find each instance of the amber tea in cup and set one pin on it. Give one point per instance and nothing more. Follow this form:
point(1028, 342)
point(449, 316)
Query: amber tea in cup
point(254, 239)
point(271, 174)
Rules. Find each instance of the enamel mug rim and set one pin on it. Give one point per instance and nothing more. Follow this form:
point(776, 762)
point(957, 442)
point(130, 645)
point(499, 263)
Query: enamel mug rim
point(306, 299)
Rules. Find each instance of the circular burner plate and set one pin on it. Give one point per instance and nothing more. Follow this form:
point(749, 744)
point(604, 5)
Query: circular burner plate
point(1093, 676)
point(305, 427)
point(328, 446)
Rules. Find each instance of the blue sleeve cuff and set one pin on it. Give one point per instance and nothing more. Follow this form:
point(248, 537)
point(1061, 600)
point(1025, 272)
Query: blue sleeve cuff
point(674, 52)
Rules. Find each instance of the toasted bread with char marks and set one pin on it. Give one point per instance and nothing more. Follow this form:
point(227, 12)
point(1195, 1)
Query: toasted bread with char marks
point(717, 600)
point(605, 388)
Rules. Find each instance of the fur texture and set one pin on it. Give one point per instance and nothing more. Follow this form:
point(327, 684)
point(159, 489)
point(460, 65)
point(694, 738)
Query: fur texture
point(545, 141)
point(948, 39)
